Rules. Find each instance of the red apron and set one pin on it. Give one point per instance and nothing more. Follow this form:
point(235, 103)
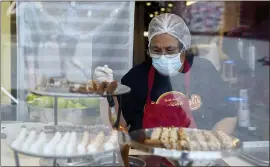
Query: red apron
point(157, 115)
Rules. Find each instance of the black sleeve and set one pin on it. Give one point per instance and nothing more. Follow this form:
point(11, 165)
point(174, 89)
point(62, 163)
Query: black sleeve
point(132, 107)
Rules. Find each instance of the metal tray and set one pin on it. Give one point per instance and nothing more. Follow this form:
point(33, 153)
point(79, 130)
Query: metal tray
point(66, 162)
point(38, 127)
point(121, 89)
point(137, 142)
point(108, 161)
point(256, 152)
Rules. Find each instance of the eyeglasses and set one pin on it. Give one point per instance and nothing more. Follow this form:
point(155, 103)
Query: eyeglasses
point(168, 54)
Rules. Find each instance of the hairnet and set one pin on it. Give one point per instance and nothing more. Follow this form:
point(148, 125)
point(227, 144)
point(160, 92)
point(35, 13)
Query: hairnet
point(170, 24)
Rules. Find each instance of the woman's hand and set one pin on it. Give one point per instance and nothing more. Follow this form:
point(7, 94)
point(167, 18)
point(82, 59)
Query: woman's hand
point(102, 74)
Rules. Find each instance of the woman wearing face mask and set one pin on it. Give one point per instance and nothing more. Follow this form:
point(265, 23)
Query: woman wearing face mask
point(154, 102)
point(161, 94)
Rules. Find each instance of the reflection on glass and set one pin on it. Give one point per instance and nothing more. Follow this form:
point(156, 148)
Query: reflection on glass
point(229, 71)
point(243, 112)
point(251, 58)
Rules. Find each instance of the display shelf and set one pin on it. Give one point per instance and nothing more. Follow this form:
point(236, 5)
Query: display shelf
point(50, 131)
point(183, 156)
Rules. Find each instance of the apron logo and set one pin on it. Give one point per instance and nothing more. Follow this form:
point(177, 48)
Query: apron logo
point(195, 102)
point(175, 99)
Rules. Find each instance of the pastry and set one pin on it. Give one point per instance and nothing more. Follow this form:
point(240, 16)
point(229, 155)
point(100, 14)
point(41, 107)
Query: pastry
point(49, 148)
point(102, 87)
point(226, 141)
point(71, 144)
point(20, 138)
point(112, 87)
point(156, 134)
point(112, 141)
point(29, 140)
point(173, 138)
point(82, 147)
point(39, 143)
point(61, 145)
point(96, 143)
point(213, 143)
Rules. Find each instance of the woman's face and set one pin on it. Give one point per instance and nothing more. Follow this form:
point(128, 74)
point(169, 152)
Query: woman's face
point(166, 44)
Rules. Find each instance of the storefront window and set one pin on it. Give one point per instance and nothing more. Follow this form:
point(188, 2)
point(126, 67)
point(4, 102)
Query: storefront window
point(228, 50)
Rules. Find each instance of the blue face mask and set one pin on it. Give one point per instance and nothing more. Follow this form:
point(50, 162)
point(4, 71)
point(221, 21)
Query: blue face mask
point(167, 64)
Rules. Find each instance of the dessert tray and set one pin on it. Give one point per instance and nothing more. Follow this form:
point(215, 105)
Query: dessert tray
point(63, 88)
point(66, 141)
point(185, 144)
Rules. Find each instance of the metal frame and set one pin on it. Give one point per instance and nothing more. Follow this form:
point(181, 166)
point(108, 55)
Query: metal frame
point(21, 113)
point(131, 31)
point(116, 125)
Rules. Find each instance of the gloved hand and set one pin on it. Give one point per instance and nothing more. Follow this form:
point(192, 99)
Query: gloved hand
point(102, 74)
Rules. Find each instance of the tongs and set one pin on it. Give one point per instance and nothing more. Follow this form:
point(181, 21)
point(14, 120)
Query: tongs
point(80, 66)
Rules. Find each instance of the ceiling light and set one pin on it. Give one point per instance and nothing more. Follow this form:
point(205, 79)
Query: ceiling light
point(162, 9)
point(72, 3)
point(188, 3)
point(170, 5)
point(156, 12)
point(169, 10)
point(145, 33)
point(89, 13)
point(151, 15)
point(148, 3)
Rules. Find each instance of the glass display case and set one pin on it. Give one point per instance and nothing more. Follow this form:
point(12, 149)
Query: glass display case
point(228, 86)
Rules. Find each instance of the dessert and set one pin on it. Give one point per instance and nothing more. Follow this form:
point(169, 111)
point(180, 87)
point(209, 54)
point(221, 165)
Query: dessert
point(102, 87)
point(103, 74)
point(225, 140)
point(192, 140)
point(20, 138)
point(60, 147)
point(165, 137)
point(112, 87)
point(49, 148)
point(156, 134)
point(64, 144)
point(71, 144)
point(29, 140)
point(38, 144)
point(96, 143)
point(81, 149)
point(213, 143)
point(183, 140)
point(112, 141)
point(93, 86)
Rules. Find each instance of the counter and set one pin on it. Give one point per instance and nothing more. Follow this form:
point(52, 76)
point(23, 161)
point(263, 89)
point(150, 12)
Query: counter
point(7, 158)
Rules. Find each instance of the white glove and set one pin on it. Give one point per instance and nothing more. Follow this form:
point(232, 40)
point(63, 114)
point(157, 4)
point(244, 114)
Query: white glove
point(103, 74)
